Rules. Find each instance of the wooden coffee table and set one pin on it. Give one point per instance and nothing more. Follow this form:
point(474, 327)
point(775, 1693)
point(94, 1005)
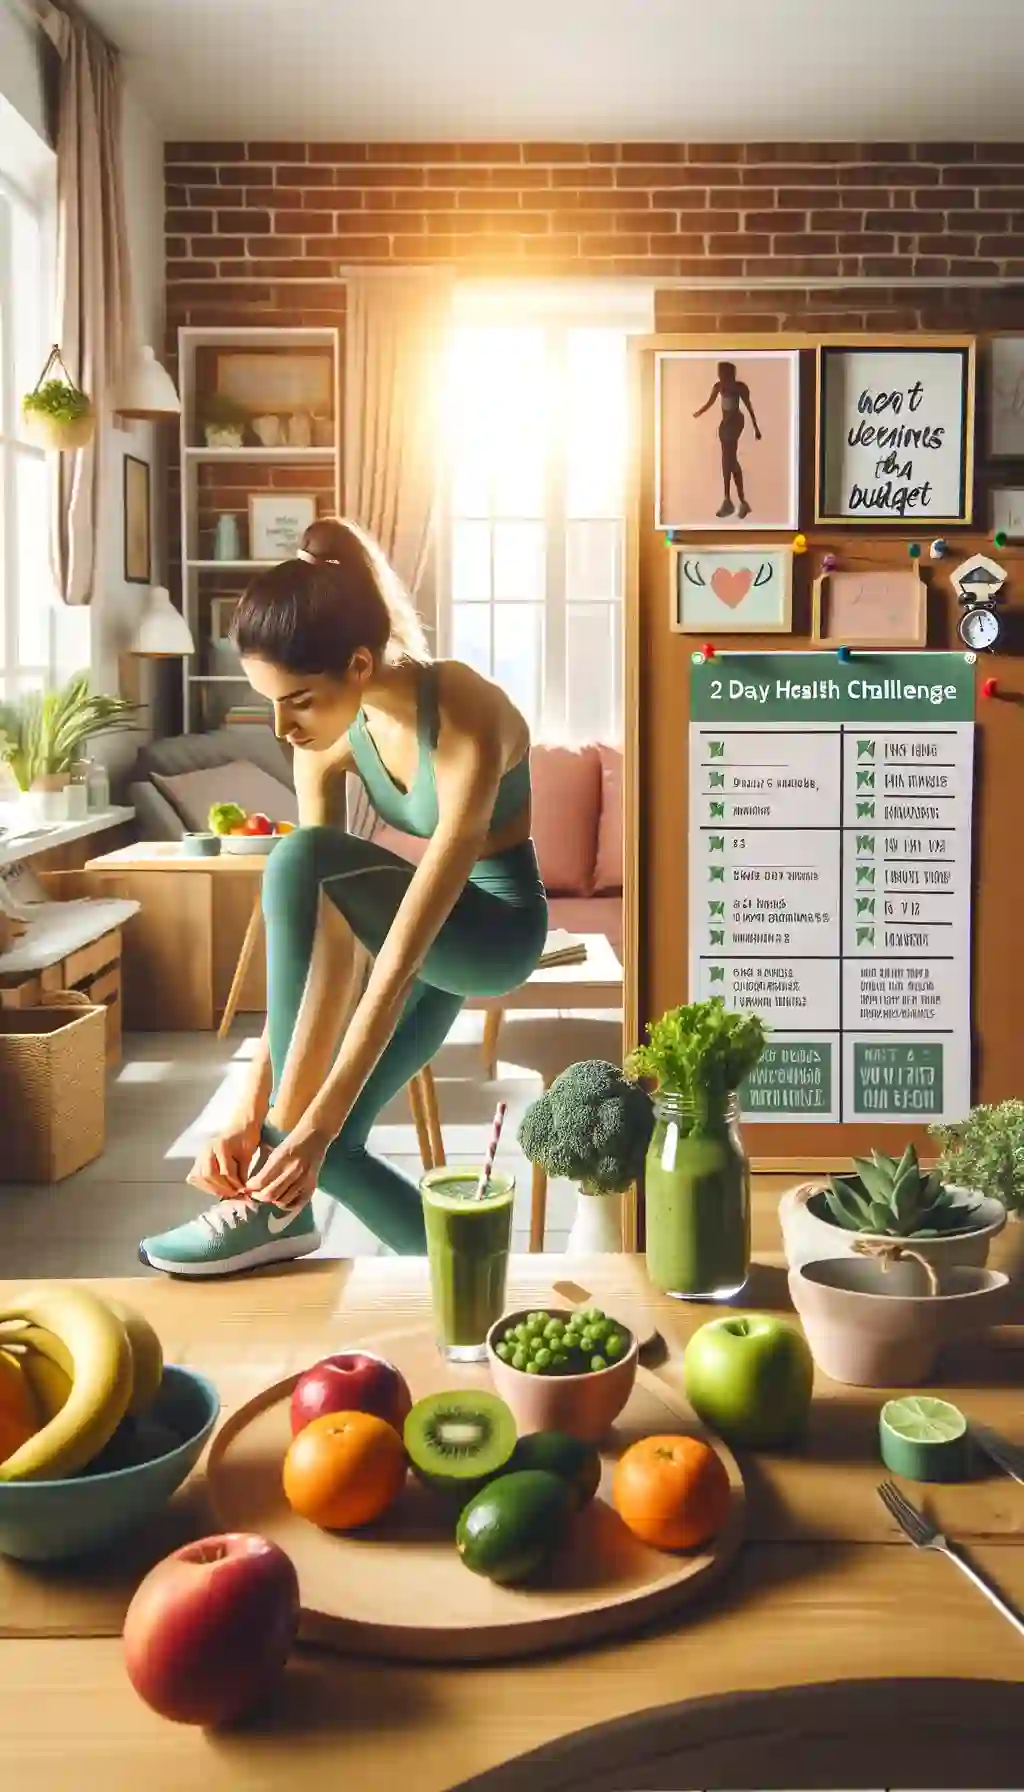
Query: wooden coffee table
point(590, 986)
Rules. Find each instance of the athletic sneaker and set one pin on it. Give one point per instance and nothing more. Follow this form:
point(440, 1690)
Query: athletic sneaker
point(232, 1235)
point(725, 509)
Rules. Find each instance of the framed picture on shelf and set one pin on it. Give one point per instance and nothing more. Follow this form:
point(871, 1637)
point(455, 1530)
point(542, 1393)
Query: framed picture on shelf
point(728, 439)
point(138, 555)
point(277, 379)
point(277, 522)
point(1008, 513)
point(895, 433)
point(1006, 397)
point(882, 607)
point(715, 591)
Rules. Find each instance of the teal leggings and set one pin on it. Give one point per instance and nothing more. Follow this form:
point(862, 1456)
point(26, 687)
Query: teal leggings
point(488, 946)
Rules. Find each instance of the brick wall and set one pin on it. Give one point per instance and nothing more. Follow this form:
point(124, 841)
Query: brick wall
point(265, 227)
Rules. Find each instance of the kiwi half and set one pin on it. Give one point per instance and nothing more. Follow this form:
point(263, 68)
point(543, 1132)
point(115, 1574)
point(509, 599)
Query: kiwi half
point(458, 1440)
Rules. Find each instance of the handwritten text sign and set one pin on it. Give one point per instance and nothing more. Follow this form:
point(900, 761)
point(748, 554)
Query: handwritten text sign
point(895, 435)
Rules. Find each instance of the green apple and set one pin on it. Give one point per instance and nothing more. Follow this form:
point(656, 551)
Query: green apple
point(749, 1377)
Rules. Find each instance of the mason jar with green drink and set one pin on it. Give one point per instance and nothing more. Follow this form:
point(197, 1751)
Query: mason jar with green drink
point(697, 1177)
point(469, 1233)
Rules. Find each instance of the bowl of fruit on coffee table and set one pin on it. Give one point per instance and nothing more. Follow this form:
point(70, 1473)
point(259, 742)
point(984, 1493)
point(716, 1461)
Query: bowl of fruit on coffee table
point(563, 1369)
point(242, 832)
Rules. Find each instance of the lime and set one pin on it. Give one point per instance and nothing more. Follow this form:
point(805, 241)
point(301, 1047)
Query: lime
point(924, 1439)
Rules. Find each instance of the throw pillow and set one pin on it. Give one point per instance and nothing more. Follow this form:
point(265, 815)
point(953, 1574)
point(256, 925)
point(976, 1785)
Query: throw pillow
point(566, 804)
point(193, 794)
point(608, 872)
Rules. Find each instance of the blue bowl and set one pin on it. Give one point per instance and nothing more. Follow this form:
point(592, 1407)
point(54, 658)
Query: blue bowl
point(51, 1521)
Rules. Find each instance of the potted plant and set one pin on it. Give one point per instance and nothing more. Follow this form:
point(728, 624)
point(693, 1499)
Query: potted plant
point(986, 1152)
point(592, 1125)
point(57, 415)
point(888, 1200)
point(697, 1178)
point(224, 421)
point(41, 735)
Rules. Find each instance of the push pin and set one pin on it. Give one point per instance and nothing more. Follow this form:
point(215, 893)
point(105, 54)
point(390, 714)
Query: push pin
point(799, 544)
point(990, 687)
point(939, 549)
point(829, 563)
point(914, 550)
point(707, 652)
point(1000, 538)
point(842, 653)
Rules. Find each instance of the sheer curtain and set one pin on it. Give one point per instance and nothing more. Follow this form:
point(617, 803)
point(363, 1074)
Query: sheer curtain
point(397, 333)
point(94, 301)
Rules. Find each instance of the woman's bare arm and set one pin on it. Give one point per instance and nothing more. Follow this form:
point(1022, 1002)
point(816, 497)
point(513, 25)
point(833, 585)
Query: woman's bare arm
point(745, 399)
point(706, 407)
point(470, 761)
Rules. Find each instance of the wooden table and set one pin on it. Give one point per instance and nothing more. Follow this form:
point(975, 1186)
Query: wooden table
point(824, 1594)
point(594, 984)
point(190, 957)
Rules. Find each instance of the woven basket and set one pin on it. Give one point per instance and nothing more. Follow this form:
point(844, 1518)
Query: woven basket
point(52, 1088)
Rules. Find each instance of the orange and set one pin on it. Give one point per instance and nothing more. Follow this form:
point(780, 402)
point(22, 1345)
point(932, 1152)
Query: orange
point(672, 1492)
point(344, 1469)
point(284, 827)
point(20, 1418)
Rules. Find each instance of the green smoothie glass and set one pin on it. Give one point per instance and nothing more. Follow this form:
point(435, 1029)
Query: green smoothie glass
point(467, 1248)
point(697, 1199)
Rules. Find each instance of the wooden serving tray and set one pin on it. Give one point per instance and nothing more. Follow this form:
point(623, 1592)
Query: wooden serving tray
point(399, 1589)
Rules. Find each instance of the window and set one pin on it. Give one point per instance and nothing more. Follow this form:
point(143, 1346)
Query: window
point(26, 585)
point(536, 430)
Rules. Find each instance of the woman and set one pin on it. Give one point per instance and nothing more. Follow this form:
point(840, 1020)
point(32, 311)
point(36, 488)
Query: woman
point(334, 644)
point(733, 393)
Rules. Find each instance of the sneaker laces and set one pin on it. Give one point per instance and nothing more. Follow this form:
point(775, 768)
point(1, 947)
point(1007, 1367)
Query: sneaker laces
point(224, 1216)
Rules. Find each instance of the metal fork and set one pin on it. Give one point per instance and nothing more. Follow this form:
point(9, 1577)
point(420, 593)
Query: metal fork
point(923, 1535)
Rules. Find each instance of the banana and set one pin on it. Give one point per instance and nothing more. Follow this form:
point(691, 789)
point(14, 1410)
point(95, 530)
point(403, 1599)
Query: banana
point(45, 1362)
point(147, 1357)
point(101, 1382)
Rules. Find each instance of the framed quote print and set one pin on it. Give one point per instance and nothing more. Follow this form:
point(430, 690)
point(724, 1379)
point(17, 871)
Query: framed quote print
point(728, 439)
point(895, 433)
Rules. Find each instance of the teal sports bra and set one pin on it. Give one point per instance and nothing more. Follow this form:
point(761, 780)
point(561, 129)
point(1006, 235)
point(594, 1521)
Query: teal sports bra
point(414, 811)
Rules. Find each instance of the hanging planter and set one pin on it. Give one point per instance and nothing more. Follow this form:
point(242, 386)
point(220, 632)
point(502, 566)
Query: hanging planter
point(56, 415)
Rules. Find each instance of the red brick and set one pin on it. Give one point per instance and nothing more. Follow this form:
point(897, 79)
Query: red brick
point(775, 220)
point(947, 245)
point(242, 174)
point(701, 153)
point(351, 199)
point(892, 220)
point(604, 152)
point(990, 174)
point(1012, 196)
point(945, 152)
point(492, 199)
point(350, 176)
point(419, 200)
point(793, 264)
point(883, 267)
point(278, 247)
point(555, 245)
point(834, 220)
point(420, 155)
point(457, 177)
point(977, 220)
point(1010, 243)
point(657, 223)
point(186, 269)
point(977, 265)
point(278, 152)
point(188, 222)
point(865, 242)
point(304, 223)
point(594, 221)
point(881, 174)
point(176, 245)
point(176, 197)
point(653, 152)
point(310, 177)
point(578, 177)
point(337, 152)
point(371, 223)
point(804, 243)
point(742, 242)
point(666, 174)
point(939, 199)
point(810, 198)
point(254, 223)
point(931, 264)
point(626, 245)
point(223, 245)
point(228, 293)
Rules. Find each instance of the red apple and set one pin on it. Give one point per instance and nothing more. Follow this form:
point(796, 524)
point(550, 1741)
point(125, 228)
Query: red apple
point(351, 1382)
point(211, 1627)
point(257, 824)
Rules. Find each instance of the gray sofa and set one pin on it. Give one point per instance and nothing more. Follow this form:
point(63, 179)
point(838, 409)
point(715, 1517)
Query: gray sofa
point(156, 817)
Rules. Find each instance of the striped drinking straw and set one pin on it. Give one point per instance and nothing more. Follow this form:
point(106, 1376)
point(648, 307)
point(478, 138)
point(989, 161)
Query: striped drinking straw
point(485, 1174)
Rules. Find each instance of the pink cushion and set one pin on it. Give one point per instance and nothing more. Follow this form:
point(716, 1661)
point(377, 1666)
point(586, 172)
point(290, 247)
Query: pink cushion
point(406, 846)
point(608, 870)
point(566, 807)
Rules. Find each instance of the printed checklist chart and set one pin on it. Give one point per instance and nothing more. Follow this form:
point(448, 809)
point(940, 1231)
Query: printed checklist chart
point(830, 876)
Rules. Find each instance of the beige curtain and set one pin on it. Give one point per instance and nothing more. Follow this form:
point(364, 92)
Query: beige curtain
point(396, 340)
point(94, 300)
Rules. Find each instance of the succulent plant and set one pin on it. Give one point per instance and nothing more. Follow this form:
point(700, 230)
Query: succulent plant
point(896, 1200)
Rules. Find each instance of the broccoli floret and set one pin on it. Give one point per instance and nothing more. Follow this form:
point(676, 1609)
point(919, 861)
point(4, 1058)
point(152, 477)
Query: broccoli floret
point(592, 1125)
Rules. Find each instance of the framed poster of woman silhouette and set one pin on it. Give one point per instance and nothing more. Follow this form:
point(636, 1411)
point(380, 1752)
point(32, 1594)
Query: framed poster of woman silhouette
point(728, 439)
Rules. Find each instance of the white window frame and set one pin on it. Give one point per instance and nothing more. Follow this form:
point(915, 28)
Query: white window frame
point(17, 674)
point(558, 309)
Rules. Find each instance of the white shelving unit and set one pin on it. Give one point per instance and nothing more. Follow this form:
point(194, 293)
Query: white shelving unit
point(198, 572)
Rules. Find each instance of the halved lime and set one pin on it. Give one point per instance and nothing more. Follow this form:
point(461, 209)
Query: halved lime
point(924, 1439)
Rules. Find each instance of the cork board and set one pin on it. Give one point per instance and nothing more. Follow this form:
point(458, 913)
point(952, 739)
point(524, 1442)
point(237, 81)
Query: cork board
point(657, 727)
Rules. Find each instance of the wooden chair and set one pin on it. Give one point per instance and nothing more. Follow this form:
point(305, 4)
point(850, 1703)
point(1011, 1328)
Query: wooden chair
point(423, 1102)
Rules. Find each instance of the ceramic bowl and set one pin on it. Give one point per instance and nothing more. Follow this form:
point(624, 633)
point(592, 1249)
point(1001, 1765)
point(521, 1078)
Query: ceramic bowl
point(583, 1406)
point(810, 1239)
point(200, 846)
point(50, 1521)
point(247, 845)
point(875, 1326)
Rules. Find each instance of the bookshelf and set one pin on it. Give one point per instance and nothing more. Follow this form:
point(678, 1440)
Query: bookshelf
point(289, 374)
